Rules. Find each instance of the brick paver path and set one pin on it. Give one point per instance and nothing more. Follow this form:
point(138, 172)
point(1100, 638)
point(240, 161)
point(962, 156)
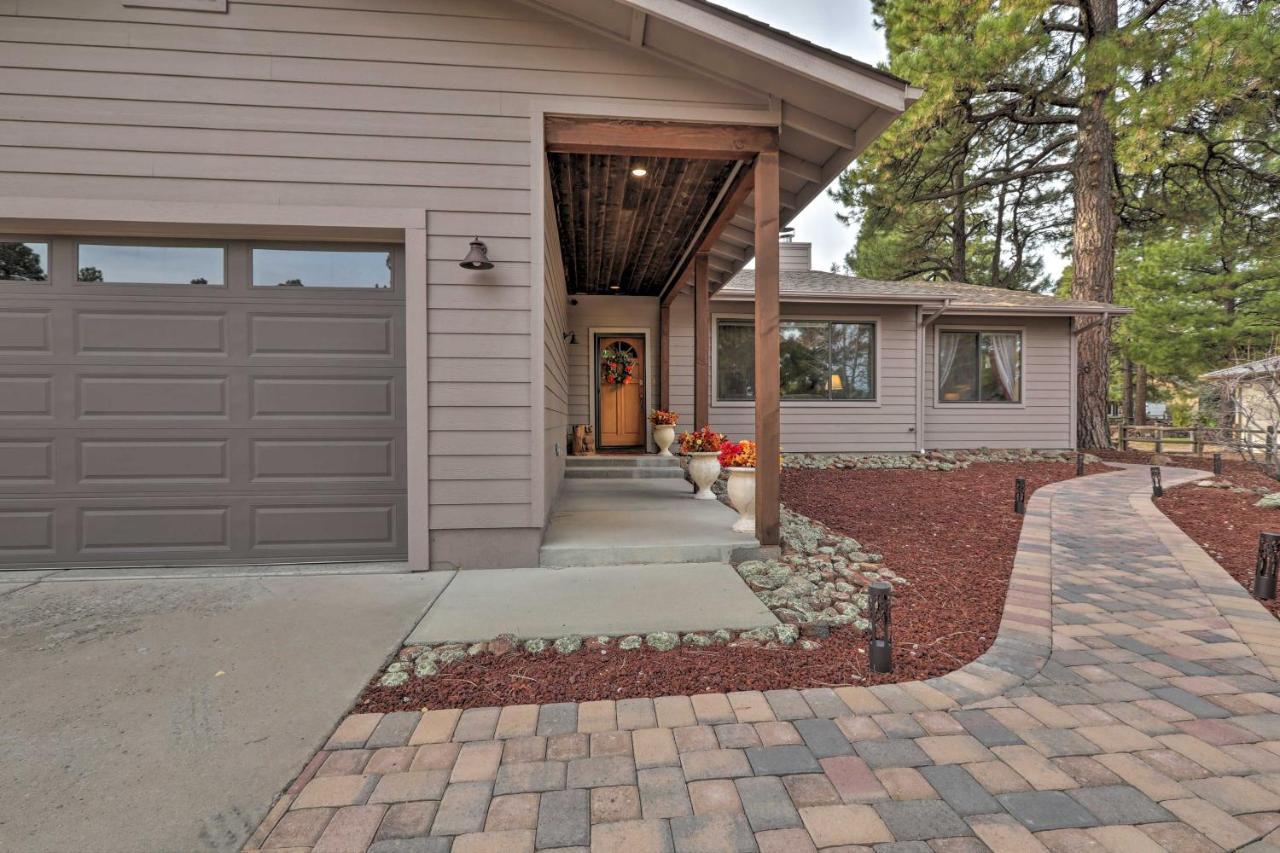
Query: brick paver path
point(1154, 723)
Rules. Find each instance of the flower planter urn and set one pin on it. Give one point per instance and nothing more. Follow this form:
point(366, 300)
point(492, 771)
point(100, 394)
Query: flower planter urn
point(704, 468)
point(663, 435)
point(742, 494)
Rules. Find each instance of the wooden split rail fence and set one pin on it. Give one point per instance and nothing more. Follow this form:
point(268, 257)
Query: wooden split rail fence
point(1244, 441)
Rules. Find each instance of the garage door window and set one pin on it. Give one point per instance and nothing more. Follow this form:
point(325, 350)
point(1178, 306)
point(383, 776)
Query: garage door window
point(24, 261)
point(112, 263)
point(363, 270)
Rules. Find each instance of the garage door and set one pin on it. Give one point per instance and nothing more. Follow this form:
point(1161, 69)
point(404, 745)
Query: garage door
point(200, 402)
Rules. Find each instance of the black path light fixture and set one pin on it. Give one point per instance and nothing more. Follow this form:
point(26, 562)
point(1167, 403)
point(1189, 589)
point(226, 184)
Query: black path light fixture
point(1079, 464)
point(1264, 576)
point(478, 257)
point(1020, 496)
point(1217, 464)
point(1157, 487)
point(881, 652)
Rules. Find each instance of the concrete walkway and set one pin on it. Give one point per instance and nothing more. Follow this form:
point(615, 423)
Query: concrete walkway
point(1136, 709)
point(610, 522)
point(613, 600)
point(165, 714)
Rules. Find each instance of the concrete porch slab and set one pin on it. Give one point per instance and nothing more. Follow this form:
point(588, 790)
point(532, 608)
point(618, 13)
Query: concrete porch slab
point(634, 599)
point(613, 522)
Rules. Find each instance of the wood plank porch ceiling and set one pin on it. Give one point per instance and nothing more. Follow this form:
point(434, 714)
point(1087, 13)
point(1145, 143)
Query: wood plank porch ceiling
point(626, 235)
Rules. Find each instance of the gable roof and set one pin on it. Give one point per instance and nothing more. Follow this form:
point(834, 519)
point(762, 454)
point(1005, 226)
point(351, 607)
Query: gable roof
point(1259, 368)
point(828, 107)
point(818, 286)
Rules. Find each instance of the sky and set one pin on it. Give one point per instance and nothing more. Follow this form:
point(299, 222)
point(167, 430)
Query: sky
point(844, 26)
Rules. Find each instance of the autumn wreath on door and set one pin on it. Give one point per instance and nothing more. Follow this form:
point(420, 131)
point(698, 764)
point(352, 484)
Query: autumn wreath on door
point(617, 363)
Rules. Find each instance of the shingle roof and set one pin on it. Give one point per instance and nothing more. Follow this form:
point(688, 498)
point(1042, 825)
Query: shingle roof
point(832, 286)
point(1260, 367)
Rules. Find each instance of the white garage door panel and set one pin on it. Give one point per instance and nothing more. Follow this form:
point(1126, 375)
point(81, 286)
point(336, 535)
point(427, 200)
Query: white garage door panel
point(196, 425)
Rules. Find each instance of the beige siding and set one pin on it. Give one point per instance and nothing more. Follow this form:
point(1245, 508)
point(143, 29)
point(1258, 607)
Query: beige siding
point(1044, 417)
point(555, 362)
point(612, 313)
point(407, 104)
point(886, 425)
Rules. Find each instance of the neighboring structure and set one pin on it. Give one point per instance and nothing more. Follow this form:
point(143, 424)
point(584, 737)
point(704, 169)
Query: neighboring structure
point(1254, 390)
point(246, 337)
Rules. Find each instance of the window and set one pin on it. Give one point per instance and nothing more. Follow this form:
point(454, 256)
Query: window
point(980, 367)
point(24, 261)
point(322, 268)
point(135, 264)
point(818, 360)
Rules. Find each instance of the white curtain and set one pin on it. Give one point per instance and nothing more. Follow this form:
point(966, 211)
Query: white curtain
point(1004, 353)
point(948, 346)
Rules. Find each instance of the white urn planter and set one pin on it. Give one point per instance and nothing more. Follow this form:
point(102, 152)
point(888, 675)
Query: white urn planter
point(663, 435)
point(742, 494)
point(704, 468)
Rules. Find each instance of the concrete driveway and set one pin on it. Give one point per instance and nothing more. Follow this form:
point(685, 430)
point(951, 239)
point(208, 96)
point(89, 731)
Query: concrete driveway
point(166, 714)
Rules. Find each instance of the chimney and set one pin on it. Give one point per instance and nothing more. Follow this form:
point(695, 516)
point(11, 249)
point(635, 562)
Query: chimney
point(793, 256)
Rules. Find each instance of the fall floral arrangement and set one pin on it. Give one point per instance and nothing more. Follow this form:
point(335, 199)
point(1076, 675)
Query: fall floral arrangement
point(616, 366)
point(705, 440)
point(661, 417)
point(738, 454)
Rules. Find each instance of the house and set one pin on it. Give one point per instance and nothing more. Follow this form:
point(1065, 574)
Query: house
point(1254, 389)
point(235, 327)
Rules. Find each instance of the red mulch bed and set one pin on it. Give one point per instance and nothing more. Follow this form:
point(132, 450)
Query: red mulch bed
point(1225, 524)
point(952, 535)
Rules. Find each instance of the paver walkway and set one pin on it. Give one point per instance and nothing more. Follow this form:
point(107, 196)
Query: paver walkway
point(1154, 723)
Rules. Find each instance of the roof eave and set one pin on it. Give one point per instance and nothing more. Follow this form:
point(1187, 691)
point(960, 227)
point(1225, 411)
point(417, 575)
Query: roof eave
point(954, 306)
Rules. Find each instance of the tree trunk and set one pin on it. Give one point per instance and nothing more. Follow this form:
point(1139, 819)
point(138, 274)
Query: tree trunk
point(1140, 396)
point(1094, 249)
point(1126, 412)
point(959, 233)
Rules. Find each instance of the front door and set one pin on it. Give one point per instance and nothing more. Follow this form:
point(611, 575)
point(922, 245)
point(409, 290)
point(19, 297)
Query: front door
point(620, 371)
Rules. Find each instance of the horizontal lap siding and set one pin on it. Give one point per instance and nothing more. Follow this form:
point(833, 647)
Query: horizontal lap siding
point(555, 361)
point(413, 104)
point(1044, 419)
point(818, 427)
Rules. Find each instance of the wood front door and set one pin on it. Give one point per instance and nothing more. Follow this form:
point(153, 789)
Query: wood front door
point(621, 390)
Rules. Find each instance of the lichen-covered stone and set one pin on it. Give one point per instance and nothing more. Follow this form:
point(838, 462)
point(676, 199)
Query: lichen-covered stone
point(1271, 501)
point(425, 667)
point(535, 646)
point(567, 645)
point(758, 635)
point(393, 679)
point(630, 643)
point(786, 634)
point(697, 639)
point(721, 636)
point(452, 655)
point(662, 641)
point(476, 649)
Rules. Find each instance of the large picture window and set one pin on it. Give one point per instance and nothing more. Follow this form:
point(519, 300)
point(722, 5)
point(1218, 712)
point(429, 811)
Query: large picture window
point(819, 360)
point(979, 367)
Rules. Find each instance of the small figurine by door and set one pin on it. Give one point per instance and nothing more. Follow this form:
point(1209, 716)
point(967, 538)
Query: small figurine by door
point(620, 372)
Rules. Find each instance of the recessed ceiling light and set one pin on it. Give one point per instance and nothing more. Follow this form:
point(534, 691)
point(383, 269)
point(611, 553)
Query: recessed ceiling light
point(615, 287)
point(639, 171)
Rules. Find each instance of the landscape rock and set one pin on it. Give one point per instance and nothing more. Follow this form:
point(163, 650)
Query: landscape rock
point(662, 641)
point(535, 646)
point(1271, 501)
point(630, 643)
point(567, 645)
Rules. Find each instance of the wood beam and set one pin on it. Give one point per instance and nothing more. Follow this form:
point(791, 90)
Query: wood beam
point(739, 192)
point(768, 381)
point(701, 342)
point(658, 139)
point(819, 127)
point(638, 21)
point(793, 165)
point(664, 357)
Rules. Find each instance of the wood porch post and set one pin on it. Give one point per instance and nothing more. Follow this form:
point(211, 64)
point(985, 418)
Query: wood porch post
point(701, 341)
point(768, 381)
point(664, 357)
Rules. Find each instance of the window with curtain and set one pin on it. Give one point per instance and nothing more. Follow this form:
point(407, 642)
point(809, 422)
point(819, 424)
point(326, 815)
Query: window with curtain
point(818, 360)
point(979, 367)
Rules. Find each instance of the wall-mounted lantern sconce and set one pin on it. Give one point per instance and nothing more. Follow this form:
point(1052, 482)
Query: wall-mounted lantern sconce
point(570, 338)
point(478, 257)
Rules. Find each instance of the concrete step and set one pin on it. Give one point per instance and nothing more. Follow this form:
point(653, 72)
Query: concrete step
point(566, 556)
point(618, 472)
point(622, 462)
